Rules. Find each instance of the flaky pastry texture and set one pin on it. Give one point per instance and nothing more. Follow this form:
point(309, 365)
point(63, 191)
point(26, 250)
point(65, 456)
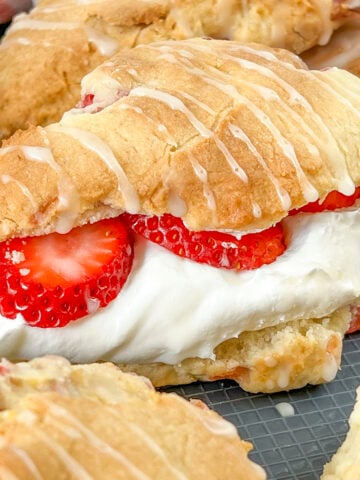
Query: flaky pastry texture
point(45, 54)
point(345, 464)
point(56, 426)
point(224, 135)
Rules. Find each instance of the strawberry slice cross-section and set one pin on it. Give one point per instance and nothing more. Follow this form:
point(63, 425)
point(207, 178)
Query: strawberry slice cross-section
point(214, 248)
point(55, 278)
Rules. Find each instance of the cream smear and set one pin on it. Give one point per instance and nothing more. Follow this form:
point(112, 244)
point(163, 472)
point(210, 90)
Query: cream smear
point(171, 308)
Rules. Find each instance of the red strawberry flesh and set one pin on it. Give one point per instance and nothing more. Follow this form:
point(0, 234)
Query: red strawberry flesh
point(87, 100)
point(55, 278)
point(355, 319)
point(333, 201)
point(218, 249)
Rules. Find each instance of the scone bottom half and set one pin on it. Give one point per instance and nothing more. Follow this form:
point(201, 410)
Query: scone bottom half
point(61, 421)
point(204, 148)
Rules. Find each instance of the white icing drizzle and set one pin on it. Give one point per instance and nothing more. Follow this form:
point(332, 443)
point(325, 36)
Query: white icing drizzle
point(283, 377)
point(319, 76)
point(257, 212)
point(159, 127)
point(155, 448)
point(185, 53)
point(68, 199)
point(334, 77)
point(201, 174)
point(132, 72)
point(282, 194)
point(176, 204)
point(65, 429)
point(295, 96)
point(7, 474)
point(330, 368)
point(221, 81)
point(217, 426)
point(27, 460)
point(26, 23)
point(106, 45)
point(96, 442)
point(341, 171)
point(176, 104)
point(65, 5)
point(10, 41)
point(197, 102)
point(97, 145)
point(69, 462)
point(334, 153)
point(324, 10)
point(285, 409)
point(26, 192)
point(309, 192)
point(267, 55)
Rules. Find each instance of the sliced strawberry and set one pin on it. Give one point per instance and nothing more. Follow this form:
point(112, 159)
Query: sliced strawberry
point(87, 100)
point(355, 319)
point(55, 278)
point(332, 201)
point(213, 248)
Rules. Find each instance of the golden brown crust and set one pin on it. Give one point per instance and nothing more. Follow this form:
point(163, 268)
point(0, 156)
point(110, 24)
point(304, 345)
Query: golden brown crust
point(274, 359)
point(73, 38)
point(224, 135)
point(99, 381)
point(68, 433)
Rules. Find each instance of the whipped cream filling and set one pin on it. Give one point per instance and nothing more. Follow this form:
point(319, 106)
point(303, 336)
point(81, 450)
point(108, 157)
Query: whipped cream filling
point(172, 308)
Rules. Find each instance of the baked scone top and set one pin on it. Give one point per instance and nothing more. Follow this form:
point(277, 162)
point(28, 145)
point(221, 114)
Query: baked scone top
point(94, 422)
point(224, 135)
point(57, 43)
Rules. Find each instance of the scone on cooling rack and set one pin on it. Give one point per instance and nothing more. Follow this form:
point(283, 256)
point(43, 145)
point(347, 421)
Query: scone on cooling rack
point(196, 218)
point(345, 464)
point(93, 422)
point(45, 53)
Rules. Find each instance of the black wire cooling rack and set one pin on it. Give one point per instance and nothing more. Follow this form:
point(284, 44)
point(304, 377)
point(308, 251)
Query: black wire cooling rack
point(294, 447)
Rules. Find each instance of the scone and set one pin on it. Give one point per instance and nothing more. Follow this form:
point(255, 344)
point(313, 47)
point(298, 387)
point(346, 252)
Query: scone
point(45, 54)
point(345, 464)
point(342, 51)
point(93, 422)
point(228, 176)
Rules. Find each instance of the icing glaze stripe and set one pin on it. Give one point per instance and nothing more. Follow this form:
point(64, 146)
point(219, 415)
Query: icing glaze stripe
point(97, 145)
point(176, 104)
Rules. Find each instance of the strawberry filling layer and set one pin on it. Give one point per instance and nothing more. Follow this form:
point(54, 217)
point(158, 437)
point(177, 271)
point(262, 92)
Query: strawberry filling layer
point(54, 279)
point(355, 319)
point(217, 249)
point(333, 201)
point(87, 100)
